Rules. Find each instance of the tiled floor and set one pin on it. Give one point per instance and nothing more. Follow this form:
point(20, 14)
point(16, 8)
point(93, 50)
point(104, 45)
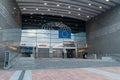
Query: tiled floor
point(5, 75)
point(103, 73)
point(112, 69)
point(68, 74)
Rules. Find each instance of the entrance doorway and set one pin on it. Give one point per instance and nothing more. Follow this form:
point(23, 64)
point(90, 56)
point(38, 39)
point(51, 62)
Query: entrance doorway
point(70, 53)
point(26, 51)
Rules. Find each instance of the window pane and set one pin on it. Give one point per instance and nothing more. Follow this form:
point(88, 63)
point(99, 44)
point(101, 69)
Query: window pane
point(43, 45)
point(56, 40)
point(43, 40)
point(54, 32)
point(57, 45)
point(29, 31)
point(28, 39)
point(28, 44)
point(43, 31)
point(43, 35)
point(54, 36)
point(29, 34)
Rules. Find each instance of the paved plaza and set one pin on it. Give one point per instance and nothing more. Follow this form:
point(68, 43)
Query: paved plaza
point(62, 69)
point(104, 73)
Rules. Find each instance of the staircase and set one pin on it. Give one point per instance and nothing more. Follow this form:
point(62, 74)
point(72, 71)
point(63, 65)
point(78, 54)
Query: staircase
point(116, 57)
point(24, 63)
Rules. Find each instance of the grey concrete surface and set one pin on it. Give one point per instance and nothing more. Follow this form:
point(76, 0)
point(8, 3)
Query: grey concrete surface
point(59, 63)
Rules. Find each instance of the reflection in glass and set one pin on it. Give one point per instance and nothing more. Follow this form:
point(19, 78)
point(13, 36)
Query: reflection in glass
point(47, 38)
point(43, 35)
point(43, 31)
point(43, 40)
point(57, 45)
point(29, 34)
point(43, 45)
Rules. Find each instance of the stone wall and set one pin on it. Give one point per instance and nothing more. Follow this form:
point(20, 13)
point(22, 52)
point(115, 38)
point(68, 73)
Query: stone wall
point(103, 34)
point(10, 29)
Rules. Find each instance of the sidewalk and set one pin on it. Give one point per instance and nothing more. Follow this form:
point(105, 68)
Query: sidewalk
point(103, 73)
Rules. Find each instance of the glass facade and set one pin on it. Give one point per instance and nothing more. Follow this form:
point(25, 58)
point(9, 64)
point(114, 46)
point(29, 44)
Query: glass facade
point(49, 40)
point(42, 38)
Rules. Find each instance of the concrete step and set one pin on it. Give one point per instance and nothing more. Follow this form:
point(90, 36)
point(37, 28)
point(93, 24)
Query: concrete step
point(26, 63)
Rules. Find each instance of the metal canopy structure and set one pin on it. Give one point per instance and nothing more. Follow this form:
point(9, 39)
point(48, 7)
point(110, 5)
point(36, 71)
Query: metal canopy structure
point(78, 9)
point(37, 21)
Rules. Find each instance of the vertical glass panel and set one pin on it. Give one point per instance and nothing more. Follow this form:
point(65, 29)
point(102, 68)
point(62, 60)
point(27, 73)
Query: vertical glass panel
point(68, 40)
point(32, 44)
point(57, 45)
point(29, 34)
point(51, 37)
point(69, 44)
point(29, 31)
point(56, 40)
point(54, 32)
point(43, 35)
point(57, 52)
point(28, 39)
point(54, 36)
point(43, 31)
point(43, 40)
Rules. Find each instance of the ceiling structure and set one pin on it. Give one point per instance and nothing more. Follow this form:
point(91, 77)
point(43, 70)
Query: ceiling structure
point(36, 21)
point(78, 9)
point(73, 13)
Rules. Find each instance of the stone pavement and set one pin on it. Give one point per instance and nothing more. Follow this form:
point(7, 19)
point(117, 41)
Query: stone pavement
point(101, 73)
point(62, 69)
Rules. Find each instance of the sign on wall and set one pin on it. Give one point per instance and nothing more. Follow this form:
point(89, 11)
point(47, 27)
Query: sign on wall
point(65, 33)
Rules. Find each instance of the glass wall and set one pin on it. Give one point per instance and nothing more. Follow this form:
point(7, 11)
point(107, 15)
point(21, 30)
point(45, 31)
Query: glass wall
point(49, 41)
point(42, 38)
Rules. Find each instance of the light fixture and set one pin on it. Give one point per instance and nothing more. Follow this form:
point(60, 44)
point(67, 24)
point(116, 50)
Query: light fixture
point(13, 12)
point(14, 8)
point(89, 4)
point(44, 20)
point(69, 6)
point(31, 13)
point(24, 8)
point(69, 12)
point(100, 7)
point(79, 8)
point(79, 14)
point(48, 9)
point(58, 5)
point(62, 16)
point(35, 20)
point(45, 3)
point(88, 16)
point(25, 20)
point(42, 13)
point(31, 17)
point(36, 9)
point(107, 0)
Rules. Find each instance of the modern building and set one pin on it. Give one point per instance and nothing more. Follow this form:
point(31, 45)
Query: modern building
point(59, 29)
